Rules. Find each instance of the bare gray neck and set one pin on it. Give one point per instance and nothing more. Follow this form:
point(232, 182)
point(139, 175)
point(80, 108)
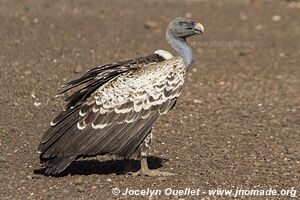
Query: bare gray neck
point(181, 47)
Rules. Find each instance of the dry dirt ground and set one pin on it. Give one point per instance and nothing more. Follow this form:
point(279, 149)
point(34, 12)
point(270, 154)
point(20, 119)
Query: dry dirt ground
point(236, 124)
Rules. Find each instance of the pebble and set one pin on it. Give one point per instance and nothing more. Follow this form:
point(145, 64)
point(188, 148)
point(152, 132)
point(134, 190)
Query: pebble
point(197, 101)
point(35, 20)
point(78, 181)
point(37, 104)
point(150, 24)
point(188, 15)
point(33, 94)
point(276, 18)
point(258, 27)
point(80, 188)
point(281, 54)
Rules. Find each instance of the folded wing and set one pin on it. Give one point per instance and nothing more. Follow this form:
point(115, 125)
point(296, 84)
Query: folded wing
point(117, 116)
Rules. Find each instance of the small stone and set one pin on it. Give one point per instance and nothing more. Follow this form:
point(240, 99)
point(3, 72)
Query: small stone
point(78, 69)
point(259, 27)
point(80, 188)
point(24, 19)
point(276, 18)
point(33, 94)
point(150, 24)
point(188, 15)
point(27, 72)
point(78, 181)
point(35, 20)
point(281, 54)
point(197, 101)
point(37, 104)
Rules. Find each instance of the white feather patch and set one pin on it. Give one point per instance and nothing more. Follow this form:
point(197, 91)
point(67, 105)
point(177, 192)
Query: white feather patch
point(102, 110)
point(124, 110)
point(80, 127)
point(138, 108)
point(99, 126)
point(95, 109)
point(165, 54)
point(81, 113)
point(52, 124)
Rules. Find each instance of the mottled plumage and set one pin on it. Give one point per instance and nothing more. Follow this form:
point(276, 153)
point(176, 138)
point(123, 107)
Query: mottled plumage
point(114, 110)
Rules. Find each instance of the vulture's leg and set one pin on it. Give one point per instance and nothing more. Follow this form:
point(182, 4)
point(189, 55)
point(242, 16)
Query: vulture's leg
point(150, 172)
point(144, 164)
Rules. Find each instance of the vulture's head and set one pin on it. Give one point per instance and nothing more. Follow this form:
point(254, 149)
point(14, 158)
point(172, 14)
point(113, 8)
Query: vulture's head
point(183, 28)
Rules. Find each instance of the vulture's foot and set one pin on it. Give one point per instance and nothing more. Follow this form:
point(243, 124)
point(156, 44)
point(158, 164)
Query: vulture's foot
point(145, 171)
point(151, 173)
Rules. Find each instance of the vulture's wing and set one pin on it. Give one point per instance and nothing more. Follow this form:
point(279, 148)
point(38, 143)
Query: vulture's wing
point(97, 76)
point(115, 117)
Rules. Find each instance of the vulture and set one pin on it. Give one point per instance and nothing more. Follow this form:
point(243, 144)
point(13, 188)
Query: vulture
point(116, 105)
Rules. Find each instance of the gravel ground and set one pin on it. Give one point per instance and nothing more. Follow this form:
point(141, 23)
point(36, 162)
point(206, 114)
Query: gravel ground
point(236, 125)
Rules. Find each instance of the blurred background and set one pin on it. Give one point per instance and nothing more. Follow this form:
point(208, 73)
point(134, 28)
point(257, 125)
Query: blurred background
point(237, 121)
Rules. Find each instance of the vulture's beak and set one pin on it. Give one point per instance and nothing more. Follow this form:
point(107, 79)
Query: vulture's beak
point(199, 29)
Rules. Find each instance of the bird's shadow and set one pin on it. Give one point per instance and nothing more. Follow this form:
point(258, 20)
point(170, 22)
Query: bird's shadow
point(94, 166)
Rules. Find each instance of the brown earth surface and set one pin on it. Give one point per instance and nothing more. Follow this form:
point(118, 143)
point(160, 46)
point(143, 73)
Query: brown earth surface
point(236, 125)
